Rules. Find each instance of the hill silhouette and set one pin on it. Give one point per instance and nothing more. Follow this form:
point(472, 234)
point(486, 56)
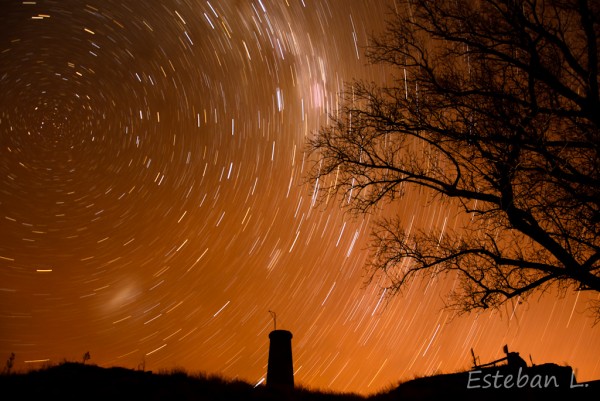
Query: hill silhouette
point(539, 382)
point(77, 381)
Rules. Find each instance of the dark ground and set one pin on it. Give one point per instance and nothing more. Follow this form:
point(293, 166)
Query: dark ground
point(76, 381)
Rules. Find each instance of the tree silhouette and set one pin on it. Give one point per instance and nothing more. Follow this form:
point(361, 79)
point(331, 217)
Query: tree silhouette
point(493, 105)
point(86, 357)
point(10, 362)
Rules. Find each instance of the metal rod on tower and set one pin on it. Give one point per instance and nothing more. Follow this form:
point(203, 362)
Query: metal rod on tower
point(274, 315)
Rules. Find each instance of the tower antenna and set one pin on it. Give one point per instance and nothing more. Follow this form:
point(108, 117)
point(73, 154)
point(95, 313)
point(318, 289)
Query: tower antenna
point(274, 315)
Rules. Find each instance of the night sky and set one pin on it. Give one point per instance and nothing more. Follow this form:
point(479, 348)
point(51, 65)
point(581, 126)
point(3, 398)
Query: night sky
point(154, 204)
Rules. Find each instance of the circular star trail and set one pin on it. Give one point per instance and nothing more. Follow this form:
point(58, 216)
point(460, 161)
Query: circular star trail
point(154, 207)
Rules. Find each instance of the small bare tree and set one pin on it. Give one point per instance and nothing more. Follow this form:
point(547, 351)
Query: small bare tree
point(10, 363)
point(86, 357)
point(493, 104)
point(142, 365)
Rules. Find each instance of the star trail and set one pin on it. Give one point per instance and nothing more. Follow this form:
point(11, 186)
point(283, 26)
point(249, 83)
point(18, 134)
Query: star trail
point(154, 206)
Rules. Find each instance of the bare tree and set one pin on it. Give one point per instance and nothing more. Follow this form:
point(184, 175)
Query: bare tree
point(10, 362)
point(495, 106)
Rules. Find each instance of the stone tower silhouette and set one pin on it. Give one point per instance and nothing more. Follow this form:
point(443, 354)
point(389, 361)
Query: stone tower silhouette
point(280, 370)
